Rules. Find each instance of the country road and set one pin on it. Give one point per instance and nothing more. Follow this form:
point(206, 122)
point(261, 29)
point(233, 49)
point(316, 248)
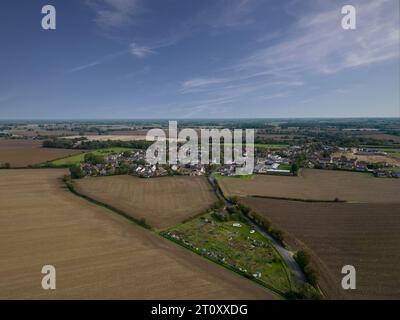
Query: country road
point(286, 254)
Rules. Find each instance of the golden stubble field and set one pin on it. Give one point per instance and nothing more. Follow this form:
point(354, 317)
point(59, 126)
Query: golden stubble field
point(162, 202)
point(97, 254)
point(21, 153)
point(317, 185)
point(389, 160)
point(365, 235)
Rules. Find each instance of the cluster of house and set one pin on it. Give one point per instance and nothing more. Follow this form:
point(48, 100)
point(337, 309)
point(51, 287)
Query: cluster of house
point(127, 162)
point(189, 169)
point(369, 152)
point(270, 163)
point(353, 164)
point(387, 172)
point(341, 162)
point(135, 163)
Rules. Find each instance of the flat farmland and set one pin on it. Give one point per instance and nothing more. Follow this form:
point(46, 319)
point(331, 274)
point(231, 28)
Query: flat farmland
point(97, 254)
point(316, 185)
point(366, 236)
point(21, 153)
point(379, 136)
point(79, 158)
point(162, 202)
point(390, 159)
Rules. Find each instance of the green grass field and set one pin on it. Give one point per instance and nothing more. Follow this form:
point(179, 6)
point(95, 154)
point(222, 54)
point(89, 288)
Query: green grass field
point(243, 177)
point(270, 146)
point(79, 158)
point(233, 247)
point(392, 169)
point(284, 167)
point(393, 152)
point(267, 146)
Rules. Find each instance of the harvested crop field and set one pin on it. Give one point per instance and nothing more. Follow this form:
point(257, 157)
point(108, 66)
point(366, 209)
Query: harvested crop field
point(97, 254)
point(366, 236)
point(389, 159)
point(162, 202)
point(316, 185)
point(21, 153)
point(379, 136)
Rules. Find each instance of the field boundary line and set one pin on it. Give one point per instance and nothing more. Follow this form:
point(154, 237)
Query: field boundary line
point(297, 199)
point(131, 219)
point(121, 213)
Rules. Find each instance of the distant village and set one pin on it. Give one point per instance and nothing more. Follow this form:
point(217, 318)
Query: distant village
point(353, 163)
point(268, 161)
point(134, 163)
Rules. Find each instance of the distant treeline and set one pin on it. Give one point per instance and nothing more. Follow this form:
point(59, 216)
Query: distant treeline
point(355, 123)
point(91, 145)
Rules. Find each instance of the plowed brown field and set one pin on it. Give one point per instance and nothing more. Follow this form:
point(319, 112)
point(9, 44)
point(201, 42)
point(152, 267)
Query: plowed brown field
point(21, 153)
point(366, 236)
point(317, 185)
point(163, 202)
point(96, 253)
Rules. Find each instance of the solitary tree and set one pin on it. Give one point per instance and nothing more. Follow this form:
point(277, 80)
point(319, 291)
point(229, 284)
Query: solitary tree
point(294, 168)
point(76, 172)
point(302, 258)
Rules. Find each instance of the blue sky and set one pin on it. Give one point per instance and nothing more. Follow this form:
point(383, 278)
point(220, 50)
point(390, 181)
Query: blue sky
point(198, 59)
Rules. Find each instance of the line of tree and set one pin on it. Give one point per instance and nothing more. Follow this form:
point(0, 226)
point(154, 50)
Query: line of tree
point(76, 172)
point(303, 259)
point(308, 291)
point(5, 165)
point(91, 145)
point(264, 222)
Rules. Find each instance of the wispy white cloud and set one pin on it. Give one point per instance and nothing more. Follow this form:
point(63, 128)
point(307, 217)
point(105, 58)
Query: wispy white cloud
point(137, 74)
point(318, 43)
point(151, 47)
point(314, 45)
point(205, 107)
point(97, 62)
point(227, 14)
point(114, 13)
point(275, 96)
point(140, 51)
point(83, 67)
point(201, 83)
point(237, 83)
point(122, 13)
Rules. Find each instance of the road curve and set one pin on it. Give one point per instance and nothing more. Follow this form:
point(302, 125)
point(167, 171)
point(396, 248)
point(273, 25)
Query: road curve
point(285, 253)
